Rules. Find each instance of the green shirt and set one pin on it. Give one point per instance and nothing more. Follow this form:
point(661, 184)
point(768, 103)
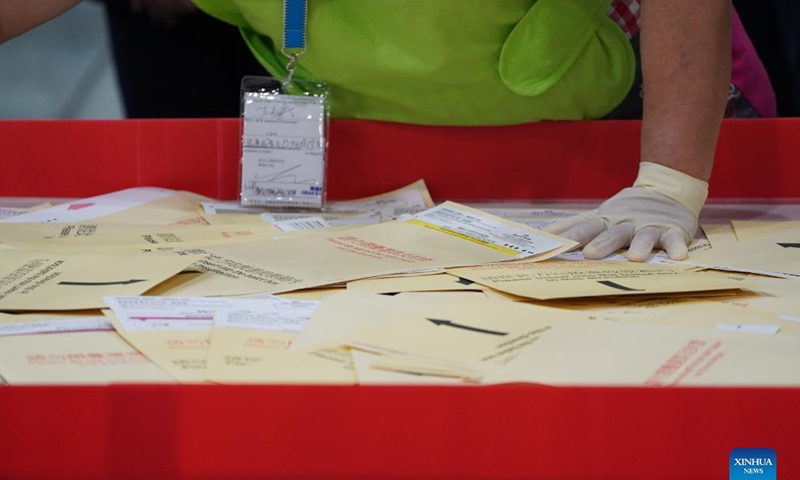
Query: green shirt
point(450, 62)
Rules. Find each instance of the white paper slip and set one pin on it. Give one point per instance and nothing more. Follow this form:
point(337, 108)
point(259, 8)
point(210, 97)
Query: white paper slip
point(523, 212)
point(305, 223)
point(269, 314)
point(88, 208)
point(6, 212)
point(278, 217)
point(366, 218)
point(83, 324)
point(288, 222)
point(283, 155)
point(216, 208)
point(169, 313)
point(484, 231)
point(766, 329)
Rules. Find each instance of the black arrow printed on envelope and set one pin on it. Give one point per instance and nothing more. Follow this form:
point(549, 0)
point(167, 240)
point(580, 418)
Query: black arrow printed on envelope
point(448, 323)
point(789, 245)
point(99, 284)
point(609, 283)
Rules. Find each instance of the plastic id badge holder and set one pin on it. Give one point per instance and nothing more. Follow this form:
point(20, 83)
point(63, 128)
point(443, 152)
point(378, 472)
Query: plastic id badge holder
point(285, 131)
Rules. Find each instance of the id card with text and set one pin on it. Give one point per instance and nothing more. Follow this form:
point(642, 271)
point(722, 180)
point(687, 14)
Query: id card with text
point(284, 143)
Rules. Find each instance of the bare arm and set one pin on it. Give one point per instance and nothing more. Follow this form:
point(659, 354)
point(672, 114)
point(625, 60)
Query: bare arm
point(686, 64)
point(19, 16)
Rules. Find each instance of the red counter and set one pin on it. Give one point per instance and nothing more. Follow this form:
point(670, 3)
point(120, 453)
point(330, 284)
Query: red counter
point(756, 159)
point(283, 432)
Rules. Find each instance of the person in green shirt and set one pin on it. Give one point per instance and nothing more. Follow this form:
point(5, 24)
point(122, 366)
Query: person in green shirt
point(504, 62)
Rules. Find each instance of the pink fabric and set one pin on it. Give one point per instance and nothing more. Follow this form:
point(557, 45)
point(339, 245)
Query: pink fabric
point(748, 73)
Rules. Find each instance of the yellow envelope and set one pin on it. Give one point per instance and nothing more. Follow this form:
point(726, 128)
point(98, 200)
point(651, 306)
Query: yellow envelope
point(246, 219)
point(473, 332)
point(719, 234)
point(633, 306)
point(572, 279)
point(60, 281)
point(737, 314)
point(783, 311)
point(87, 357)
point(776, 253)
point(601, 352)
point(180, 353)
point(235, 353)
point(321, 359)
point(172, 283)
point(310, 294)
point(466, 372)
point(413, 273)
point(423, 283)
point(323, 364)
point(367, 375)
point(410, 199)
point(772, 286)
point(429, 299)
point(252, 335)
point(748, 229)
point(24, 233)
point(344, 313)
point(447, 235)
point(147, 239)
point(179, 208)
point(134, 206)
point(173, 332)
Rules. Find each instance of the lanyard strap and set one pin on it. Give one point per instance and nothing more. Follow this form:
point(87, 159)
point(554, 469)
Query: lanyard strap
point(294, 34)
point(294, 25)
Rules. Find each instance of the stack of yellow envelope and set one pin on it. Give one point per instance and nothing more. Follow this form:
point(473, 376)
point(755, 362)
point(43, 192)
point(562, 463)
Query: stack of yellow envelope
point(154, 285)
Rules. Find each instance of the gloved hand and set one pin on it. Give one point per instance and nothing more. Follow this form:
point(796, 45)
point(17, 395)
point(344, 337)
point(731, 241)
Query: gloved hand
point(661, 209)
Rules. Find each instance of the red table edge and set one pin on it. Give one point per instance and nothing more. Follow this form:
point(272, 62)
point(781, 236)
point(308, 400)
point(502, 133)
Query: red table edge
point(500, 432)
point(756, 159)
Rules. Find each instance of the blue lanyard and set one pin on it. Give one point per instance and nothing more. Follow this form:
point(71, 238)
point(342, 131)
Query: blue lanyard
point(294, 24)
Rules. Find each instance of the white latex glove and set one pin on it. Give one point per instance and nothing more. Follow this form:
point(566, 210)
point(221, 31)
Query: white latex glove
point(660, 210)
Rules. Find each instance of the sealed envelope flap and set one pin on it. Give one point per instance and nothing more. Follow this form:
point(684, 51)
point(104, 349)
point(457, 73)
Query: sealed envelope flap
point(568, 41)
